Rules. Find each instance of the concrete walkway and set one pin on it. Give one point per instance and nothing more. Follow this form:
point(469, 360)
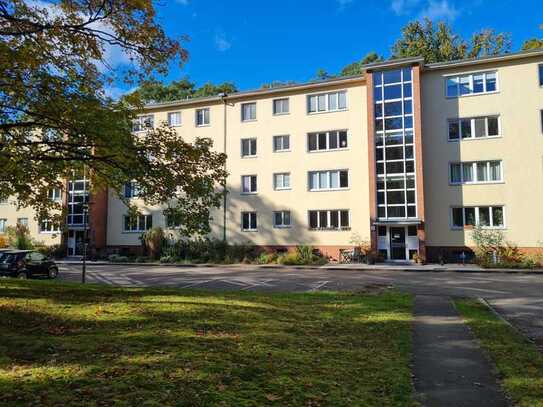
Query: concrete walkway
point(449, 368)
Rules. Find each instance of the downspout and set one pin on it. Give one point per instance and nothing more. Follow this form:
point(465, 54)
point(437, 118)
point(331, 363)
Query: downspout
point(224, 193)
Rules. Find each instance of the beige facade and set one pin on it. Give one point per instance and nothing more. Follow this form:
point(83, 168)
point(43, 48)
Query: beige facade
point(489, 171)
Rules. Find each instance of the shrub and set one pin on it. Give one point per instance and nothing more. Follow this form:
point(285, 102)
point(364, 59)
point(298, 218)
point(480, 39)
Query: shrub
point(115, 258)
point(167, 259)
point(303, 255)
point(209, 250)
point(56, 251)
point(19, 237)
point(153, 240)
point(3, 242)
point(267, 258)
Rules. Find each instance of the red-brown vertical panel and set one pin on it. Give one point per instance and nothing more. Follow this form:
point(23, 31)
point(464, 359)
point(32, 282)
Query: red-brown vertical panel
point(371, 159)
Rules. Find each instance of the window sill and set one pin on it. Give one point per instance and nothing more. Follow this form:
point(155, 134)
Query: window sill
point(282, 189)
point(457, 140)
point(245, 157)
point(472, 94)
point(342, 229)
point(281, 227)
point(248, 193)
point(327, 111)
point(457, 228)
point(460, 184)
point(329, 190)
point(249, 121)
point(282, 151)
point(249, 230)
point(330, 150)
point(281, 114)
point(174, 125)
point(203, 125)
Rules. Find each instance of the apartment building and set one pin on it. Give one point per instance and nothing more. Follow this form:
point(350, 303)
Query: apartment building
point(410, 156)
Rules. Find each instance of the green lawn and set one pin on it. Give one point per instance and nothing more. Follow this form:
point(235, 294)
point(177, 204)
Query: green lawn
point(519, 362)
point(66, 345)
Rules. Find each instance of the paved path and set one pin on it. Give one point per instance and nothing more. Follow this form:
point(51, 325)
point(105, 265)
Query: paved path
point(448, 366)
point(516, 296)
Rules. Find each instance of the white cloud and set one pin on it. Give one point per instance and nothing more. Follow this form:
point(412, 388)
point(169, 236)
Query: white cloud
point(343, 3)
point(439, 10)
point(221, 42)
point(432, 9)
point(183, 2)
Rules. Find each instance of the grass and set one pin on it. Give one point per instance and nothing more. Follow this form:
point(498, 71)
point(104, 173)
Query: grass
point(63, 344)
point(518, 361)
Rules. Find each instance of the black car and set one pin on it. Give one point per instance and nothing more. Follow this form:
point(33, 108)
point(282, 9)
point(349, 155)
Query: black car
point(26, 264)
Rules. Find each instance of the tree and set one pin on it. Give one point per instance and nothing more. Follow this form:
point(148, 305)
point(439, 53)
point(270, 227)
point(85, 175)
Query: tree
point(356, 68)
point(441, 44)
point(153, 91)
point(56, 120)
point(533, 43)
point(322, 75)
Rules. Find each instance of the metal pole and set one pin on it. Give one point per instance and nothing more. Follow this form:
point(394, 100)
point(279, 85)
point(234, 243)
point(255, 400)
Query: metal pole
point(83, 274)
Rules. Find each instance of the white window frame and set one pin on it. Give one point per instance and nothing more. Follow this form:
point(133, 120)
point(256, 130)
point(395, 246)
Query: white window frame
point(142, 123)
point(250, 214)
point(328, 220)
point(282, 138)
point(134, 190)
point(283, 225)
point(20, 221)
point(173, 114)
point(249, 140)
point(3, 225)
point(282, 188)
point(477, 221)
point(242, 107)
point(326, 96)
point(281, 113)
point(250, 184)
point(472, 127)
point(540, 75)
point(55, 194)
point(138, 223)
point(329, 134)
point(470, 76)
point(474, 172)
point(48, 229)
point(203, 111)
point(329, 178)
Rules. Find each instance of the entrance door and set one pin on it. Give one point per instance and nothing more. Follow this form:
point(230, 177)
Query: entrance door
point(397, 243)
point(75, 242)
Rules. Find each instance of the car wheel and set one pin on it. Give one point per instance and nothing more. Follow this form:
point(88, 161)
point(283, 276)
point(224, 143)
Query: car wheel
point(22, 276)
point(52, 273)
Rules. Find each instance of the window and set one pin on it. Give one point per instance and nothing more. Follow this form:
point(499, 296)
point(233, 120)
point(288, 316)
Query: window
point(174, 119)
point(248, 221)
point(540, 75)
point(280, 106)
point(328, 180)
point(248, 184)
point(4, 201)
point(336, 219)
point(330, 140)
point(281, 143)
point(248, 147)
point(3, 225)
point(46, 226)
point(131, 189)
point(281, 219)
point(476, 127)
point(281, 181)
point(142, 123)
point(22, 221)
point(173, 222)
point(55, 194)
point(485, 216)
point(541, 114)
point(202, 117)
point(139, 223)
point(476, 172)
point(327, 102)
point(248, 112)
point(483, 82)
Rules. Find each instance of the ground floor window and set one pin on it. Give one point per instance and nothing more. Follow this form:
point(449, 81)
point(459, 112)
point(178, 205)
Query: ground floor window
point(335, 219)
point(139, 223)
point(281, 219)
point(485, 216)
point(3, 225)
point(46, 226)
point(248, 221)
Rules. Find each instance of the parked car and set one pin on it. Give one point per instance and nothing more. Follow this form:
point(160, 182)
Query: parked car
point(26, 264)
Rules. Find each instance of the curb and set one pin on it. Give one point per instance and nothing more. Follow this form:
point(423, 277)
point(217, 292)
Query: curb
point(340, 268)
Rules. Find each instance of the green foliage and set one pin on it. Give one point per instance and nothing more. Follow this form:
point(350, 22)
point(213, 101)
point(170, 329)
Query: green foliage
point(533, 43)
point(166, 347)
point(356, 68)
point(203, 250)
point(267, 258)
point(19, 237)
point(116, 258)
point(56, 251)
point(153, 240)
point(302, 256)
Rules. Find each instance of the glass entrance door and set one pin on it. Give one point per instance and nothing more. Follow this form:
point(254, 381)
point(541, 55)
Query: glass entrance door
point(397, 243)
point(75, 242)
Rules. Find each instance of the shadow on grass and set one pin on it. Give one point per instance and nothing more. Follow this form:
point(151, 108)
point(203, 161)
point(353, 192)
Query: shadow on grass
point(71, 345)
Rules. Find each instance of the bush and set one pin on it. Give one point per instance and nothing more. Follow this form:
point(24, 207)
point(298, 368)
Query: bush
point(167, 259)
point(153, 239)
point(115, 258)
point(208, 251)
point(267, 258)
point(304, 255)
point(19, 237)
point(3, 242)
point(56, 251)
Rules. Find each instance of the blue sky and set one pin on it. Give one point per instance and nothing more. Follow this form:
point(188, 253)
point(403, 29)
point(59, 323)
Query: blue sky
point(251, 42)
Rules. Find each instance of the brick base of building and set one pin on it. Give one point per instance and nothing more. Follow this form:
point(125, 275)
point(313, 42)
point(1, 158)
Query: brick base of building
point(453, 254)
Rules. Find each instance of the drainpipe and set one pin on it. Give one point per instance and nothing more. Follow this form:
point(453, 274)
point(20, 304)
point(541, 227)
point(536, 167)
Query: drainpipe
point(223, 97)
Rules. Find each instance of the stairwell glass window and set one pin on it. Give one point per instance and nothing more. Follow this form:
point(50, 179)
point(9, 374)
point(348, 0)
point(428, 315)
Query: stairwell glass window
point(139, 223)
point(335, 219)
point(328, 180)
point(248, 112)
point(248, 221)
point(484, 216)
point(202, 117)
point(131, 190)
point(174, 119)
point(248, 147)
point(327, 140)
point(281, 181)
point(479, 172)
point(327, 102)
point(471, 84)
point(281, 219)
point(281, 106)
point(474, 128)
point(248, 184)
point(143, 123)
point(281, 143)
point(540, 68)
